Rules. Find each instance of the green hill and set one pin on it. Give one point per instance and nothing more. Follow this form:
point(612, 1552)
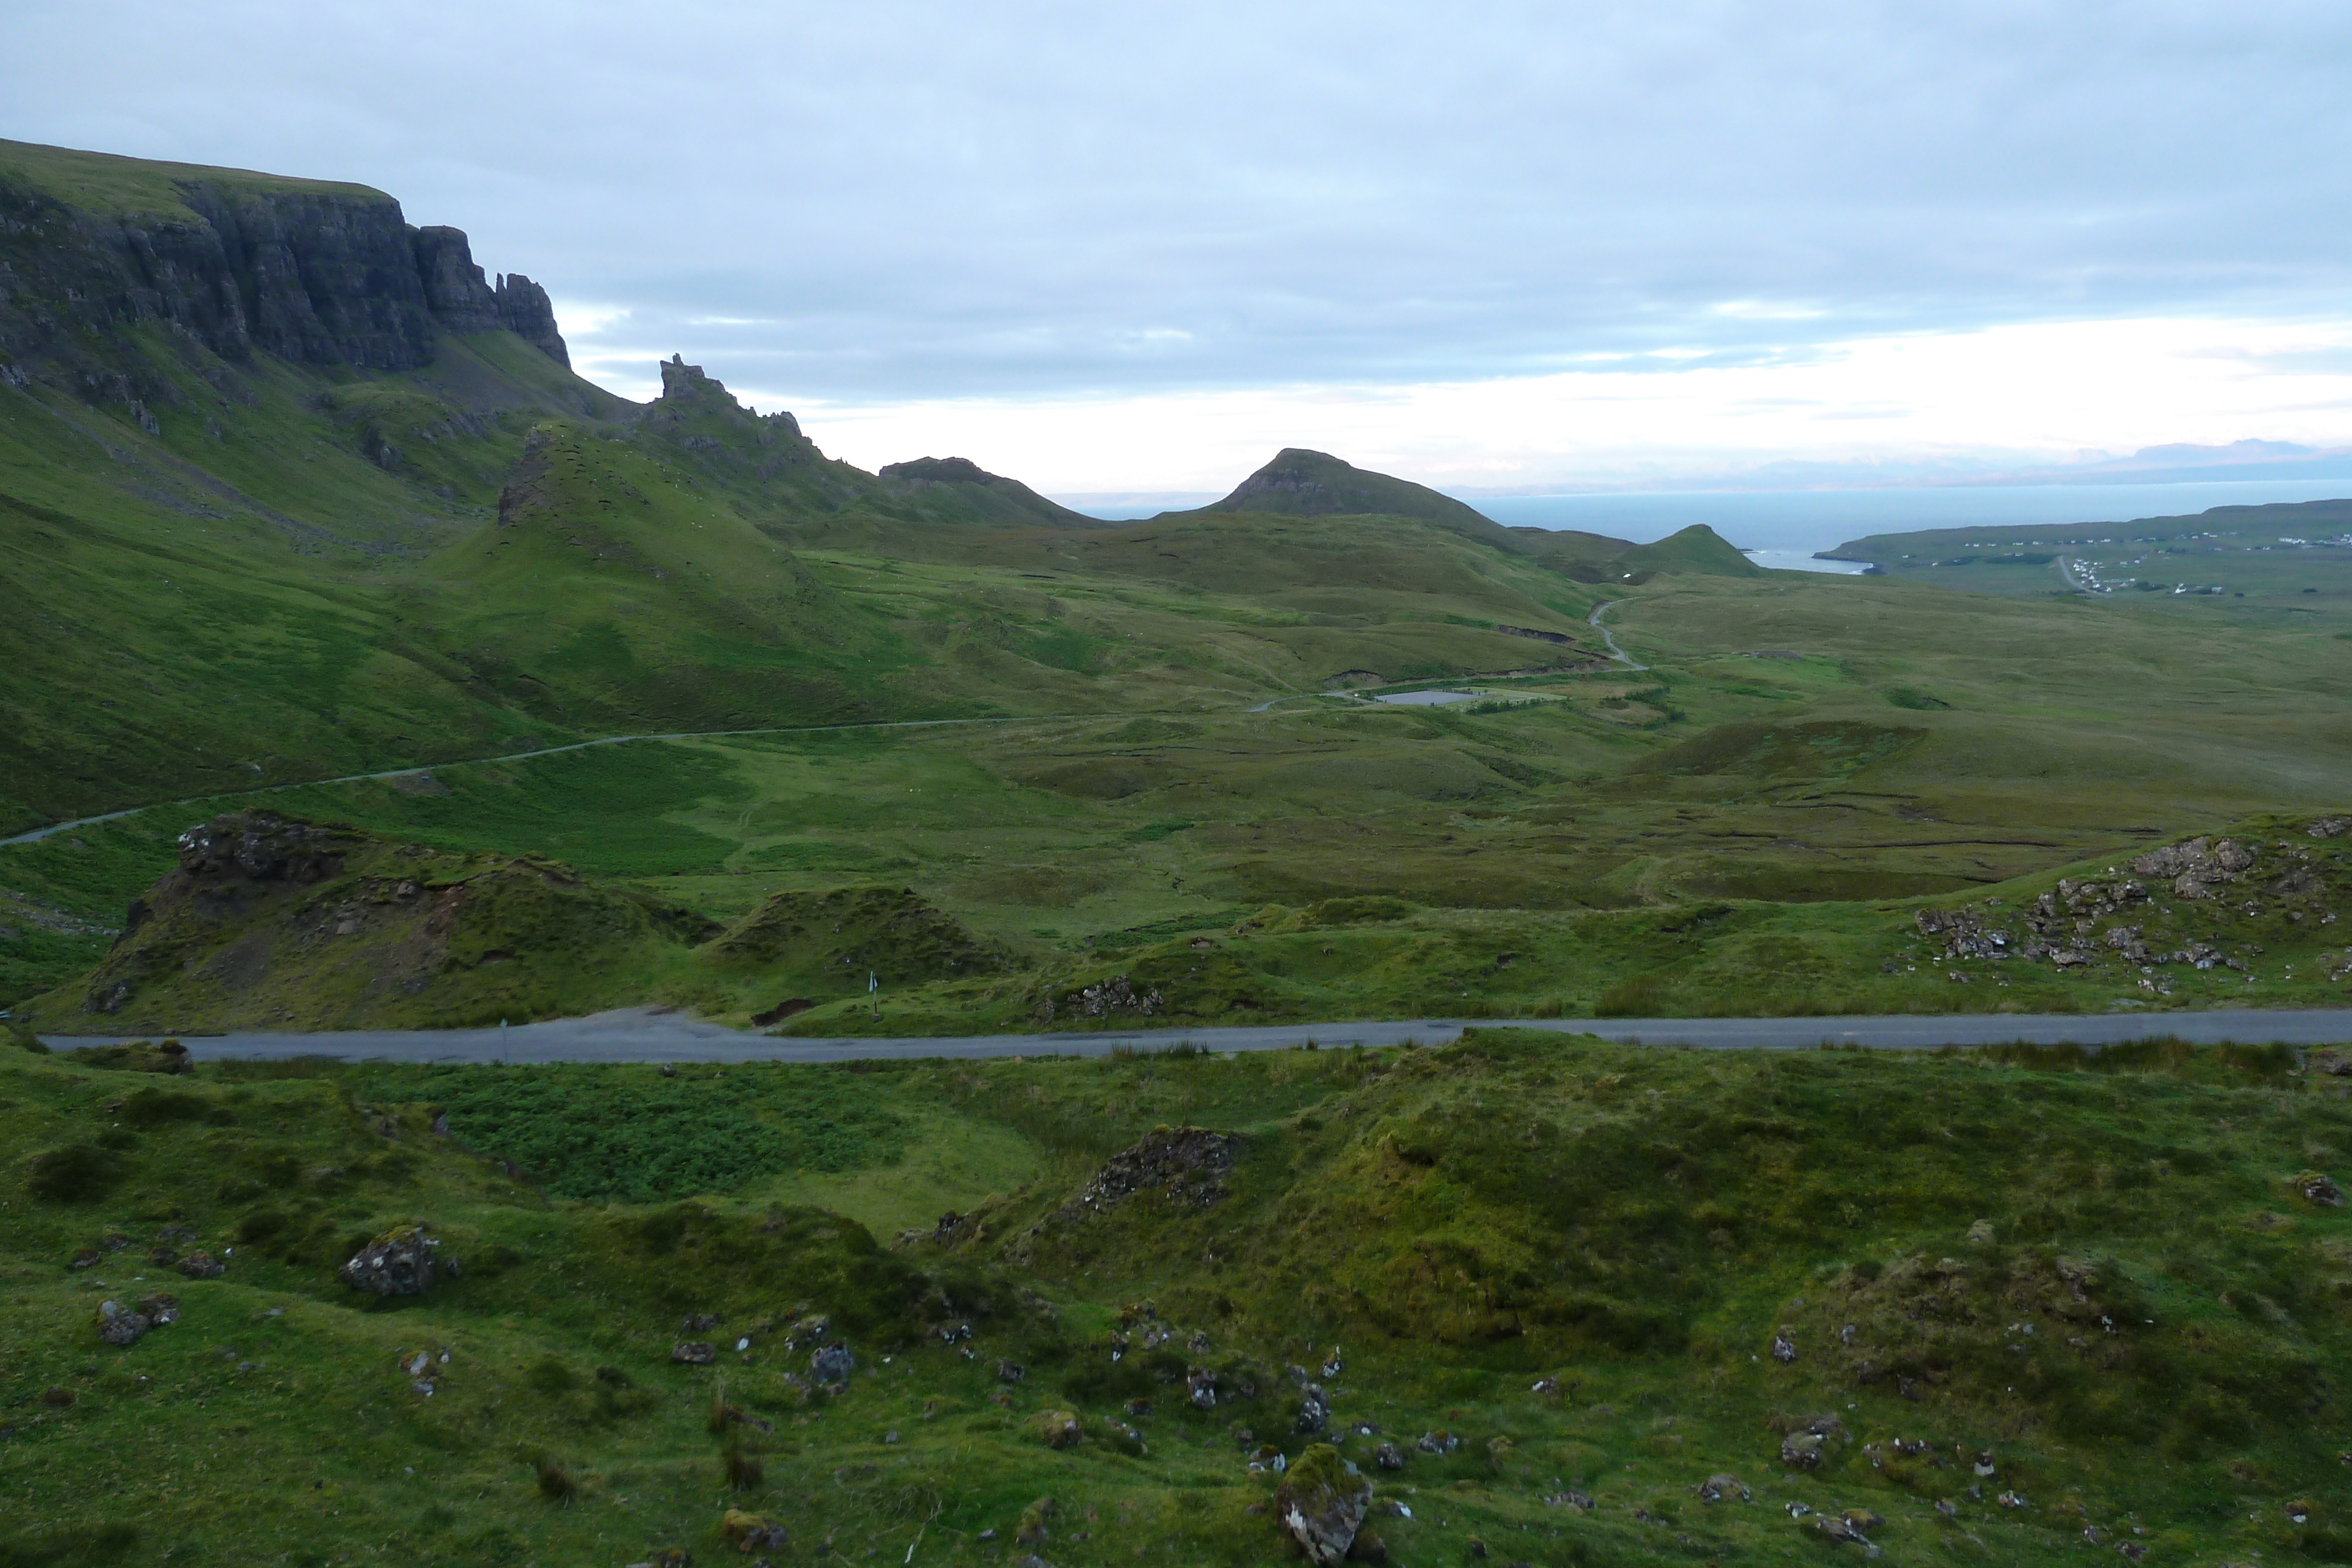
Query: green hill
point(1697, 549)
point(1302, 484)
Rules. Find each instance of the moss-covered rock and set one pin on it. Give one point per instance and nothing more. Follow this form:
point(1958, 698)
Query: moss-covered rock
point(1322, 1506)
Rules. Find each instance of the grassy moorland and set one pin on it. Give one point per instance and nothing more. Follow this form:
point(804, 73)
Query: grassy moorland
point(2034, 1300)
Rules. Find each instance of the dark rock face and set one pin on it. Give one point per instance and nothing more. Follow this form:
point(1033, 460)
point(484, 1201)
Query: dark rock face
point(525, 310)
point(398, 1263)
point(261, 847)
point(454, 288)
point(326, 276)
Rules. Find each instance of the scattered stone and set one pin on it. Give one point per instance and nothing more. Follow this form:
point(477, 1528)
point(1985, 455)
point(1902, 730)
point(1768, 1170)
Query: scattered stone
point(1137, 1409)
point(200, 1265)
point(1862, 1519)
point(1187, 1167)
point(57, 1398)
point(701, 1323)
point(114, 1241)
point(751, 1532)
point(1802, 1450)
point(119, 1326)
point(1201, 1387)
point(2318, 1189)
point(1784, 1349)
point(400, 1262)
point(1545, 1387)
point(1839, 1530)
point(1947, 1507)
point(1717, 1487)
point(1010, 1372)
point(833, 1362)
point(1313, 1411)
point(1438, 1442)
point(1321, 1505)
point(1389, 1456)
point(84, 1258)
point(693, 1353)
point(2132, 1550)
point(161, 1308)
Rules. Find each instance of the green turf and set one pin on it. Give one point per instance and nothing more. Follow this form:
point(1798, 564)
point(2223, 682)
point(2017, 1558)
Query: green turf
point(2096, 1275)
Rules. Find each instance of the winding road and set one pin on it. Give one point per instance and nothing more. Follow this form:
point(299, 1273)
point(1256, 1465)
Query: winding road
point(1609, 637)
point(40, 833)
point(649, 1034)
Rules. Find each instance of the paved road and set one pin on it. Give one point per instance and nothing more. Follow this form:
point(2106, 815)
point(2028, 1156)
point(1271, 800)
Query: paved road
point(642, 1034)
point(1609, 637)
point(40, 833)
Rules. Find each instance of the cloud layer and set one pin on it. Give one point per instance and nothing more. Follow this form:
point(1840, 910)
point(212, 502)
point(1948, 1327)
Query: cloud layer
point(893, 202)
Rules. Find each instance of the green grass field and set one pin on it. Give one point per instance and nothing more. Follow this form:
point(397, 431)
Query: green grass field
point(2096, 1279)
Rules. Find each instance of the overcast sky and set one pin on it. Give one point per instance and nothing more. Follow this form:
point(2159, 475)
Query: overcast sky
point(1112, 247)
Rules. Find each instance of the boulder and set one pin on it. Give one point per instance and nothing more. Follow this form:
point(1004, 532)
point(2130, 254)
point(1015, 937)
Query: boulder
point(1201, 1387)
point(2318, 1189)
point(1321, 1507)
point(831, 1363)
point(202, 1265)
point(403, 1261)
point(1802, 1450)
point(1718, 1487)
point(1389, 1456)
point(1313, 1411)
point(121, 1326)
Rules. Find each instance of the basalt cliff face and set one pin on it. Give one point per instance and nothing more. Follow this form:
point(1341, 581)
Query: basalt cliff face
point(319, 274)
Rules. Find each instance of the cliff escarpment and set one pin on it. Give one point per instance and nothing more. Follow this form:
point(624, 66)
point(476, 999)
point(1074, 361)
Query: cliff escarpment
point(94, 248)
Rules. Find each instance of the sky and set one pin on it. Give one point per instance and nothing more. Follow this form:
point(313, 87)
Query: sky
point(1515, 247)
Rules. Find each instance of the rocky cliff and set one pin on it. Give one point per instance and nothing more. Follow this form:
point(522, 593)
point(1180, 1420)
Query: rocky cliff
point(93, 250)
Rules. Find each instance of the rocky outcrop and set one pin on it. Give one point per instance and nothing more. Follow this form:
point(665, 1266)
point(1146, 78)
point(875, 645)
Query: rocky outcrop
point(1186, 1167)
point(525, 310)
point(700, 417)
point(2197, 868)
point(241, 265)
point(1321, 1505)
point(401, 1262)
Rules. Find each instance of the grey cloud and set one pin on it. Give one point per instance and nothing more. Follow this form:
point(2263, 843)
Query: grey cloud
point(895, 199)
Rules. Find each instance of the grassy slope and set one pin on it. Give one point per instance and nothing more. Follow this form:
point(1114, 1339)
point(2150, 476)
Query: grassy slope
point(1919, 743)
point(1448, 1226)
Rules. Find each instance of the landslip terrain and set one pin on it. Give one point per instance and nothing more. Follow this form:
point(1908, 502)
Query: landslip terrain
point(368, 667)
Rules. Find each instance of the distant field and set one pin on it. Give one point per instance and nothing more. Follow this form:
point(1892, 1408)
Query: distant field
point(2290, 557)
